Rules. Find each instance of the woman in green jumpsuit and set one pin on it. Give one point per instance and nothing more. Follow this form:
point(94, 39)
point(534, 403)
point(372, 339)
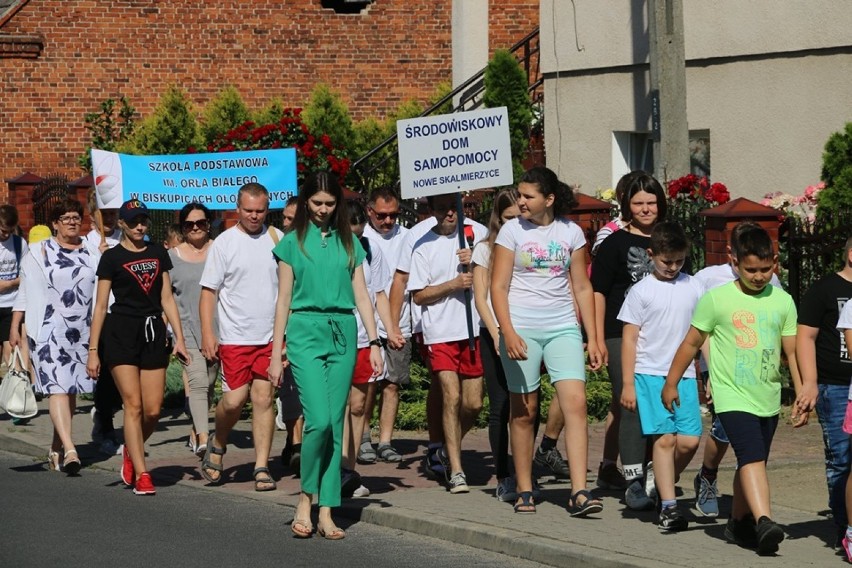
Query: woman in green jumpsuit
point(320, 283)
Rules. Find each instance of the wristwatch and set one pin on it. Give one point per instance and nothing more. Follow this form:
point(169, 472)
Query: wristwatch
point(377, 342)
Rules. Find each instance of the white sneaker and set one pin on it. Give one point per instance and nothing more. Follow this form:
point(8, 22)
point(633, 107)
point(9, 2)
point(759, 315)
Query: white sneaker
point(361, 492)
point(279, 416)
point(650, 482)
point(458, 483)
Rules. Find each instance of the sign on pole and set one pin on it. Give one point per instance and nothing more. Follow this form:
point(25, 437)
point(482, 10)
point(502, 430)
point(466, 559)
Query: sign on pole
point(454, 152)
point(170, 182)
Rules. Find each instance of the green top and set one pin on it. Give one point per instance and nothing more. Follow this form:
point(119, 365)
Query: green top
point(745, 349)
point(322, 276)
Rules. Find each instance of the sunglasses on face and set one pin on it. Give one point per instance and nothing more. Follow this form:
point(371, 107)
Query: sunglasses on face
point(383, 216)
point(136, 221)
point(202, 224)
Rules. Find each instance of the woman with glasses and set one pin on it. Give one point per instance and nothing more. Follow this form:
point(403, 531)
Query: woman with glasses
point(320, 282)
point(188, 260)
point(136, 273)
point(55, 300)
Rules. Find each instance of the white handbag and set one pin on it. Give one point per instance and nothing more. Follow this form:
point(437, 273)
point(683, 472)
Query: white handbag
point(16, 395)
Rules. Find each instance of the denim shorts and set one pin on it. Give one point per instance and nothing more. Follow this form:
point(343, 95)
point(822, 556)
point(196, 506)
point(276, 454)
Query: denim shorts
point(562, 353)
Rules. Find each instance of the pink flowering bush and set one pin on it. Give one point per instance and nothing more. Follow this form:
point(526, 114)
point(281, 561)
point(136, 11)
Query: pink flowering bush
point(802, 206)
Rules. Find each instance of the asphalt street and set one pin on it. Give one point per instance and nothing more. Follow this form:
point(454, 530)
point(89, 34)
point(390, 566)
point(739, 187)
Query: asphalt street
point(91, 520)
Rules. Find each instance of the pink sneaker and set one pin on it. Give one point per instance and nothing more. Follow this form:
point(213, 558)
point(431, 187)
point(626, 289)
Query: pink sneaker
point(144, 485)
point(127, 472)
point(847, 548)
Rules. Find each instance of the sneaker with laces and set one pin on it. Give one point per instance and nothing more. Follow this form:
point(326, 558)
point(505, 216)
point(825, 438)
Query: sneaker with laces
point(458, 483)
point(706, 496)
point(361, 492)
point(636, 498)
point(109, 447)
point(552, 460)
point(433, 468)
point(671, 520)
point(443, 463)
point(610, 477)
point(507, 490)
point(769, 536)
point(847, 547)
point(144, 485)
point(128, 474)
point(742, 532)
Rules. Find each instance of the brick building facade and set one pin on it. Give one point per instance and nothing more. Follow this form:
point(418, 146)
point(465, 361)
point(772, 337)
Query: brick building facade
point(61, 58)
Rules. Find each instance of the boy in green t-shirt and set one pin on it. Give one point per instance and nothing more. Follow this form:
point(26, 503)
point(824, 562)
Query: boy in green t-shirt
point(750, 323)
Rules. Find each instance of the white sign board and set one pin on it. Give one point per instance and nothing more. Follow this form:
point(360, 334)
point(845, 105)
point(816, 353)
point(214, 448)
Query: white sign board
point(454, 152)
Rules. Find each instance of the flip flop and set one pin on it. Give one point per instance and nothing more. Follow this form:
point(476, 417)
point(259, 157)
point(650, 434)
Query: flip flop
point(206, 464)
point(265, 479)
point(302, 528)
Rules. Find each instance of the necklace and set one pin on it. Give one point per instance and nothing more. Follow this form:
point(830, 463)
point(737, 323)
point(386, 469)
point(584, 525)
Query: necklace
point(196, 249)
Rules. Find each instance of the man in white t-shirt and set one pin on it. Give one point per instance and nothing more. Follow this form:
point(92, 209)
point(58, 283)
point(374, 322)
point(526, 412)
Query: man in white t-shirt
point(12, 250)
point(438, 281)
point(388, 235)
point(240, 281)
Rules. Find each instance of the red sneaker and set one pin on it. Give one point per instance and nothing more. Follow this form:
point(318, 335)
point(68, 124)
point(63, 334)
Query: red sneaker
point(144, 485)
point(127, 472)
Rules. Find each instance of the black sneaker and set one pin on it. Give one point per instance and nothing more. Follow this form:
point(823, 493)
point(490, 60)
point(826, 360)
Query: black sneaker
point(672, 520)
point(769, 536)
point(350, 481)
point(552, 460)
point(444, 461)
point(742, 532)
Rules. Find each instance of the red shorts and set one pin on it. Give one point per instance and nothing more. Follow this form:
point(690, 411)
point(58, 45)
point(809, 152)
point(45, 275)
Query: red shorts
point(363, 370)
point(456, 356)
point(242, 363)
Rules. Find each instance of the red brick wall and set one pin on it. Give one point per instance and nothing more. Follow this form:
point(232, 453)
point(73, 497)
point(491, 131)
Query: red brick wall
point(396, 50)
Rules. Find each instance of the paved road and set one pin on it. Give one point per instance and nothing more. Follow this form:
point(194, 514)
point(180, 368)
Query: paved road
point(91, 521)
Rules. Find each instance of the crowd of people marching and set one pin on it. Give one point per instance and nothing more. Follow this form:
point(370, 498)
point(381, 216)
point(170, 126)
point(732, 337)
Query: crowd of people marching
point(315, 323)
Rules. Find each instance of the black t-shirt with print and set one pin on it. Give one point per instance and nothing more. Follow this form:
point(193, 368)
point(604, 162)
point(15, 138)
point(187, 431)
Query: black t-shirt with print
point(137, 279)
point(821, 308)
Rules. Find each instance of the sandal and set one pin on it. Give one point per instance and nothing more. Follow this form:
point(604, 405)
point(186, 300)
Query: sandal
point(388, 454)
point(302, 528)
point(265, 482)
point(526, 505)
point(53, 461)
point(72, 464)
point(590, 504)
point(366, 453)
point(207, 466)
point(336, 533)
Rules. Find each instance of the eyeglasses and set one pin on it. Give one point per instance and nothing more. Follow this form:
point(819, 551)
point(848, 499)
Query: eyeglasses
point(382, 216)
point(202, 224)
point(70, 219)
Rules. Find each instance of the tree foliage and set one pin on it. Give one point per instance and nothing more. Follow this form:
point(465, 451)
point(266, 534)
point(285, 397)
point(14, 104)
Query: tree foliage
point(223, 113)
point(506, 85)
point(170, 129)
point(109, 127)
point(837, 173)
point(326, 112)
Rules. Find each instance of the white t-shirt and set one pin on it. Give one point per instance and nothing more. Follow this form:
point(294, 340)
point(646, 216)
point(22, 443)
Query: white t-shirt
point(10, 267)
point(540, 294)
point(482, 257)
point(719, 275)
point(434, 262)
point(391, 246)
point(663, 311)
point(241, 268)
point(844, 322)
point(92, 240)
point(378, 278)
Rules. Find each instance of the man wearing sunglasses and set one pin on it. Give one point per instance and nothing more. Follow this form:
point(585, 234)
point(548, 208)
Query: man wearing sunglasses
point(384, 231)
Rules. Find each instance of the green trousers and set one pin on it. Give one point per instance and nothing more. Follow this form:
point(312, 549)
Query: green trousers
point(321, 348)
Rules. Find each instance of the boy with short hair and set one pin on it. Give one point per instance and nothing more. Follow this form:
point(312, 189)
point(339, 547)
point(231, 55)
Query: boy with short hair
point(656, 315)
point(12, 249)
point(750, 323)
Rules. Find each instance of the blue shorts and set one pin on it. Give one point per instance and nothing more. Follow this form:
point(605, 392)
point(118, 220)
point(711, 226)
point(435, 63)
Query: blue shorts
point(561, 350)
point(655, 419)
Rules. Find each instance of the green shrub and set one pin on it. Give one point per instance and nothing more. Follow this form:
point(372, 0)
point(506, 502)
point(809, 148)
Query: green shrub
point(272, 113)
point(223, 113)
point(174, 397)
point(506, 85)
point(170, 129)
point(837, 174)
point(327, 113)
point(112, 125)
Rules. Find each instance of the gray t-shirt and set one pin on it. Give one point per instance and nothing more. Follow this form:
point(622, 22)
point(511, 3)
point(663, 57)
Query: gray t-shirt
point(186, 283)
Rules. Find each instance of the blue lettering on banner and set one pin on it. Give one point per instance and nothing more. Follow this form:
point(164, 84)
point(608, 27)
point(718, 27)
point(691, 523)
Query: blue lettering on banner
point(453, 126)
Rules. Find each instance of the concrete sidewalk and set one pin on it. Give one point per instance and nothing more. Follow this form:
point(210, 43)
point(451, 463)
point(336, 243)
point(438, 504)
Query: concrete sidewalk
point(402, 498)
